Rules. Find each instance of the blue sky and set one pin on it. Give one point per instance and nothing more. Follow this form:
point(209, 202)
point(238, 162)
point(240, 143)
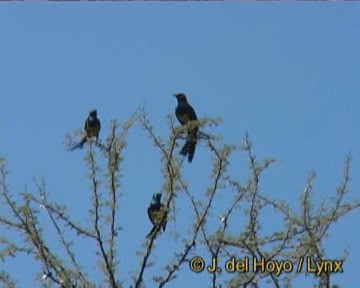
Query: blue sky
point(286, 73)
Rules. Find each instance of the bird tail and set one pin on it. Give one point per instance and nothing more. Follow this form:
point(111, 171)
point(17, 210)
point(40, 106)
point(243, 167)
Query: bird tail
point(184, 149)
point(164, 225)
point(79, 145)
point(190, 145)
point(191, 150)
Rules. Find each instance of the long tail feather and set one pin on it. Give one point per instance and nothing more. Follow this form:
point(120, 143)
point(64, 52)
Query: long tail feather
point(191, 150)
point(184, 149)
point(190, 145)
point(79, 145)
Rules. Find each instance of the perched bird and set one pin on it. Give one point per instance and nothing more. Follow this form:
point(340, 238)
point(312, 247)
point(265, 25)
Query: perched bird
point(185, 113)
point(92, 128)
point(157, 214)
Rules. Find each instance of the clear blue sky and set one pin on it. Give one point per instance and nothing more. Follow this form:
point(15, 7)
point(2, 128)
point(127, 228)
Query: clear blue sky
point(286, 73)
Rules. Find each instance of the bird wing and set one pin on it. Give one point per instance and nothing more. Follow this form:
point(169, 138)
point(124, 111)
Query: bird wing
point(185, 113)
point(150, 212)
point(92, 127)
point(191, 112)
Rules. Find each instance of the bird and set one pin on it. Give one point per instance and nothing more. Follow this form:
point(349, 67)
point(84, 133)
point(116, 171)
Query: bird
point(185, 113)
point(92, 128)
point(157, 214)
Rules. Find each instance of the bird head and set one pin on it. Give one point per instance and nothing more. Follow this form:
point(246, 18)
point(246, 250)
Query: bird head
point(93, 113)
point(180, 97)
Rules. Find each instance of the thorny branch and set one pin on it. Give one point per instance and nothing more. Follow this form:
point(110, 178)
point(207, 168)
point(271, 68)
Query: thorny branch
point(302, 235)
point(171, 174)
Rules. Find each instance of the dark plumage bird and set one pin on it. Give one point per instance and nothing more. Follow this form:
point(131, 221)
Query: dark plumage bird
point(92, 128)
point(157, 214)
point(185, 113)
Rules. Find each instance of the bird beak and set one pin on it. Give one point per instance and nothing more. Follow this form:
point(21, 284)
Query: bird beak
point(174, 95)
